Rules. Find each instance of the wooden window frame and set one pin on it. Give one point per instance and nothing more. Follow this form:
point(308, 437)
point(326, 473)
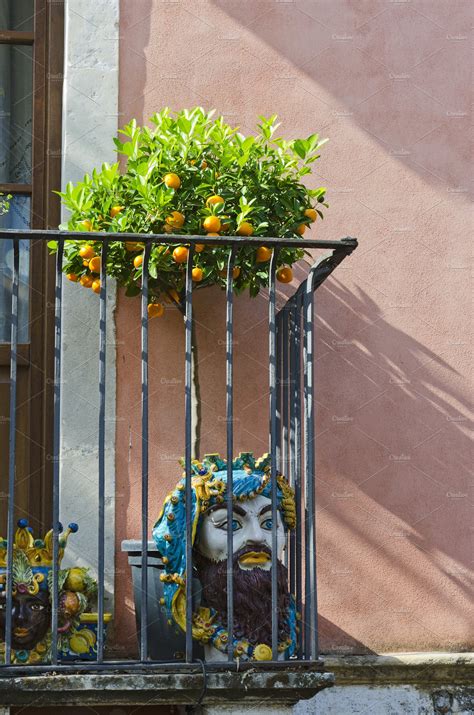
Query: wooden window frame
point(47, 40)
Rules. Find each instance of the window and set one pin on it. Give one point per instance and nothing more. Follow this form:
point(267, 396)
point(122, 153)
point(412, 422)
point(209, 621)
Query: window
point(16, 119)
point(31, 70)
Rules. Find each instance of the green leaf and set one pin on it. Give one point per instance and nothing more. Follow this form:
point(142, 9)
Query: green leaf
point(300, 147)
point(184, 124)
point(312, 141)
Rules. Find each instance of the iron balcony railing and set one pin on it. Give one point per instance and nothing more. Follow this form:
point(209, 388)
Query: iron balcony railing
point(291, 441)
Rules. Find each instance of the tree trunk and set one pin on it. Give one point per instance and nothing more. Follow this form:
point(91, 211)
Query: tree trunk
point(196, 417)
point(196, 414)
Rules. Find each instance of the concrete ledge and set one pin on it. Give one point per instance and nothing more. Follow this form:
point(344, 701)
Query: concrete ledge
point(420, 669)
point(250, 685)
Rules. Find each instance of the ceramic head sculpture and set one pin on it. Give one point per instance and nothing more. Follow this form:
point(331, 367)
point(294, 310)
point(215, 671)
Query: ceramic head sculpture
point(31, 595)
point(252, 557)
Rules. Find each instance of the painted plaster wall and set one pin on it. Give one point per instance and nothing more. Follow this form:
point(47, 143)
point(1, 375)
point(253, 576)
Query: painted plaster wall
point(387, 82)
point(394, 700)
point(89, 120)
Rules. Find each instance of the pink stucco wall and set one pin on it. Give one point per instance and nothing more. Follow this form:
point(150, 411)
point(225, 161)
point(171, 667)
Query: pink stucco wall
point(387, 82)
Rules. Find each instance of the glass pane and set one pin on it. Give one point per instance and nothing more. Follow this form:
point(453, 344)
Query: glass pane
point(17, 217)
point(16, 105)
point(17, 15)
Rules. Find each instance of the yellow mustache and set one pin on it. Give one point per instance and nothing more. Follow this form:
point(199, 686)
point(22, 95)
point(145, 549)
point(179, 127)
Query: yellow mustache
point(255, 557)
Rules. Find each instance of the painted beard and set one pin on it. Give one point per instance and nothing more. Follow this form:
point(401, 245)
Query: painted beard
point(252, 596)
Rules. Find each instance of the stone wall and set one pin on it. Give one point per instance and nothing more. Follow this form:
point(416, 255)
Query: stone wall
point(397, 684)
point(90, 106)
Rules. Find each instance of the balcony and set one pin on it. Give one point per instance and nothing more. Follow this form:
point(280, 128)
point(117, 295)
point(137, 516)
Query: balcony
point(169, 660)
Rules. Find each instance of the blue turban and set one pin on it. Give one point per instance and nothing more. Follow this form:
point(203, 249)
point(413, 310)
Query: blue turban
point(208, 487)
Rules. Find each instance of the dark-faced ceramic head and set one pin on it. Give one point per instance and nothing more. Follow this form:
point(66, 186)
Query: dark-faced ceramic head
point(31, 594)
point(31, 617)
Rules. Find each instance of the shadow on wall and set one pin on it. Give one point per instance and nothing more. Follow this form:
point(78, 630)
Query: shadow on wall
point(334, 640)
point(399, 70)
point(403, 378)
point(393, 465)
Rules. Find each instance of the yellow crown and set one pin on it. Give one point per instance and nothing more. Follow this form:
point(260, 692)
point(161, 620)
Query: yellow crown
point(39, 552)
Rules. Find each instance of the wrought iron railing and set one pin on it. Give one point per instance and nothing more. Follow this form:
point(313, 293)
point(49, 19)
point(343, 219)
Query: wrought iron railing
point(291, 441)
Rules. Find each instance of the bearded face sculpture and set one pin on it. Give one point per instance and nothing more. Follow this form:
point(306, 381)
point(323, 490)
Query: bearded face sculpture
point(252, 557)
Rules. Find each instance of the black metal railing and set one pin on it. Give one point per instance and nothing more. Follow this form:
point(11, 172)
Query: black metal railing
point(291, 440)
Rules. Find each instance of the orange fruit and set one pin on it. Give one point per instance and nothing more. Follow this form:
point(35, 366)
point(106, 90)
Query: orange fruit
point(72, 277)
point(85, 263)
point(301, 229)
point(167, 228)
point(132, 246)
point(94, 264)
point(176, 219)
point(96, 286)
point(245, 229)
point(116, 210)
point(172, 181)
point(86, 251)
point(312, 214)
point(197, 274)
point(155, 310)
point(86, 281)
point(199, 247)
point(87, 224)
point(284, 274)
point(235, 272)
point(225, 227)
point(212, 224)
point(203, 164)
point(180, 254)
point(137, 261)
point(213, 200)
point(263, 254)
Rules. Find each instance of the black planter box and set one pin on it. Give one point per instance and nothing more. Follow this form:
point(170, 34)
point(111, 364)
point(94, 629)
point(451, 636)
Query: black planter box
point(165, 642)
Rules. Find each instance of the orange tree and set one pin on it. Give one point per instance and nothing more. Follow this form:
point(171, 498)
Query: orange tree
point(192, 174)
point(4, 203)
